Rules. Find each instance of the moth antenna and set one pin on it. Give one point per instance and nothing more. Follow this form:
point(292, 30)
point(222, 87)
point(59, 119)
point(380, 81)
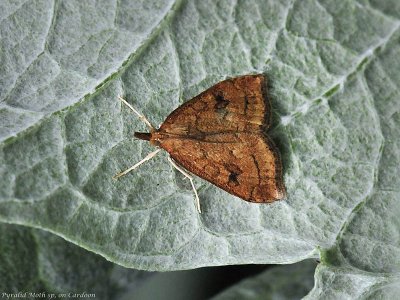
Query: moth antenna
point(141, 117)
point(191, 182)
point(148, 157)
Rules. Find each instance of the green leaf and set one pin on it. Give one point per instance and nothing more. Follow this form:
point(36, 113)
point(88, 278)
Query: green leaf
point(365, 260)
point(283, 282)
point(333, 81)
point(34, 261)
point(53, 53)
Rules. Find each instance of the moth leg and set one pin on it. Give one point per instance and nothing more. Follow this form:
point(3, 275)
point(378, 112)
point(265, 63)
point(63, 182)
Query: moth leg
point(148, 157)
point(141, 117)
point(191, 182)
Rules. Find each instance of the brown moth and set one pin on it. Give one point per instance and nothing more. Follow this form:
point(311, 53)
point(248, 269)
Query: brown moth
point(219, 136)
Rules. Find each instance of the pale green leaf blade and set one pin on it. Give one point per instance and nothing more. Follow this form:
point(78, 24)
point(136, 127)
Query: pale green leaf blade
point(365, 262)
point(55, 52)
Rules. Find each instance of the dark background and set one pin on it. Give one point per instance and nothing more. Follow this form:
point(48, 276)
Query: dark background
point(195, 284)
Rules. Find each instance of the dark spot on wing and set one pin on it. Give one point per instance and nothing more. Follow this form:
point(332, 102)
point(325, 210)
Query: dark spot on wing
point(233, 178)
point(221, 102)
point(234, 172)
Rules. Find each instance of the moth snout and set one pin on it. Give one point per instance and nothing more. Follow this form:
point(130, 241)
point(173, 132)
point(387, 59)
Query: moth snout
point(143, 135)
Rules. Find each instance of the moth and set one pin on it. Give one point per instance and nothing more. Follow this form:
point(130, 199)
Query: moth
point(220, 136)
